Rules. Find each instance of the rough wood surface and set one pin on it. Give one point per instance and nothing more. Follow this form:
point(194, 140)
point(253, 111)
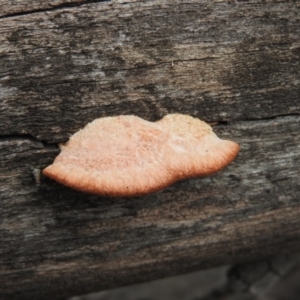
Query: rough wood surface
point(21, 7)
point(235, 64)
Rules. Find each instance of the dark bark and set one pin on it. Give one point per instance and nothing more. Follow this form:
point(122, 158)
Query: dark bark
point(235, 64)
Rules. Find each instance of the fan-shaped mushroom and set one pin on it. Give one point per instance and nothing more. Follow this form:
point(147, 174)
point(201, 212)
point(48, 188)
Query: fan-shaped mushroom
point(128, 156)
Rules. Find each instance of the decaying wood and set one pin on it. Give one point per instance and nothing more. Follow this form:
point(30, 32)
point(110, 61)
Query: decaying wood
point(233, 64)
point(12, 8)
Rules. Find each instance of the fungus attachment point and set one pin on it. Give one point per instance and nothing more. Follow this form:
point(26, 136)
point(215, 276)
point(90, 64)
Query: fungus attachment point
point(127, 156)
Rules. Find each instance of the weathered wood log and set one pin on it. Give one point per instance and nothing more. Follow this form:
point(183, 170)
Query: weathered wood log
point(233, 64)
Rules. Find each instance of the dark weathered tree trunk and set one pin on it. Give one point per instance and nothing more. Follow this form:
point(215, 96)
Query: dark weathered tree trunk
point(64, 63)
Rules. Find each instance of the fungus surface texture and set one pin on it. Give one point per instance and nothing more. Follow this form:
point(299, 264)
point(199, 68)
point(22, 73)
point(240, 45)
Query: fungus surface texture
point(127, 156)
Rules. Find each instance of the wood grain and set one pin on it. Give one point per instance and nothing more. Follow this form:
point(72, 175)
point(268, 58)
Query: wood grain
point(230, 62)
point(236, 65)
point(19, 7)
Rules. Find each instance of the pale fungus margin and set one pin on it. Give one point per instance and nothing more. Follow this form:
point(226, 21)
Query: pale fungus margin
point(127, 156)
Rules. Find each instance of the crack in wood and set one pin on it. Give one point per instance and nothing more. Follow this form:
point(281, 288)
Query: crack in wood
point(280, 116)
point(28, 137)
point(216, 123)
point(75, 3)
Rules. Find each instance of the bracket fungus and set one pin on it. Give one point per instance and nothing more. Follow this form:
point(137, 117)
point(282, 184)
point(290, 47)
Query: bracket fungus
point(127, 156)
